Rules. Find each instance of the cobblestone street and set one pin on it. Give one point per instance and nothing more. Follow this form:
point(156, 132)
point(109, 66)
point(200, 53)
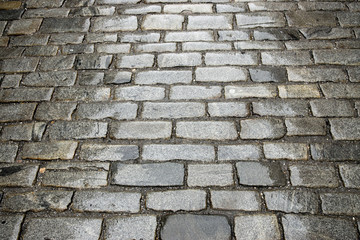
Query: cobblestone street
point(179, 120)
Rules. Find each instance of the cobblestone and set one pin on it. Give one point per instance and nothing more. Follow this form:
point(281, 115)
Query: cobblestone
point(289, 151)
point(18, 175)
point(239, 152)
point(141, 130)
point(313, 175)
point(139, 93)
point(104, 152)
point(63, 150)
point(215, 130)
point(262, 128)
point(210, 175)
point(8, 152)
point(235, 200)
point(152, 110)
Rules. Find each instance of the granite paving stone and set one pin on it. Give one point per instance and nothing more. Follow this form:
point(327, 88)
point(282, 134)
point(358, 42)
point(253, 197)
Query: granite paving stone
point(10, 226)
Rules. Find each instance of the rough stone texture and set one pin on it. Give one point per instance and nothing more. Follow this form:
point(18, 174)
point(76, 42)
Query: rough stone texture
point(311, 19)
point(220, 74)
point(64, 25)
point(195, 92)
point(228, 109)
point(54, 111)
point(139, 93)
point(289, 151)
point(270, 128)
point(93, 61)
point(331, 108)
point(251, 91)
point(179, 59)
point(218, 130)
point(337, 57)
point(50, 79)
point(260, 226)
point(163, 77)
point(113, 110)
point(298, 91)
point(214, 59)
point(260, 173)
point(81, 94)
point(335, 151)
point(288, 108)
point(8, 152)
point(114, 24)
point(287, 58)
point(162, 152)
point(24, 26)
point(153, 110)
point(77, 130)
point(187, 226)
point(209, 22)
point(268, 74)
point(23, 132)
point(305, 126)
point(239, 152)
point(253, 20)
point(340, 203)
point(101, 201)
point(141, 130)
point(345, 129)
point(79, 228)
point(323, 175)
point(235, 200)
point(10, 226)
point(155, 174)
point(25, 94)
point(18, 65)
point(311, 227)
point(187, 200)
point(105, 152)
point(162, 22)
point(63, 150)
point(18, 175)
point(350, 175)
point(16, 112)
point(210, 175)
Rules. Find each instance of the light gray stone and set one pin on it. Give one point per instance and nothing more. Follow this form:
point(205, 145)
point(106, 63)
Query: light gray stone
point(270, 128)
point(23, 132)
point(54, 111)
point(152, 110)
point(112, 110)
point(8, 152)
point(50, 79)
point(195, 92)
point(77, 130)
point(252, 20)
point(17, 112)
point(93, 61)
point(82, 94)
point(231, 58)
point(220, 74)
point(163, 77)
point(288, 151)
point(228, 109)
point(251, 91)
point(179, 59)
point(139, 93)
point(305, 126)
point(277, 107)
point(212, 130)
point(26, 94)
point(209, 22)
point(10, 226)
point(239, 152)
point(162, 22)
point(188, 36)
point(106, 152)
point(136, 61)
point(235, 200)
point(114, 24)
point(141, 130)
point(18, 175)
point(345, 129)
point(63, 150)
point(350, 174)
point(210, 175)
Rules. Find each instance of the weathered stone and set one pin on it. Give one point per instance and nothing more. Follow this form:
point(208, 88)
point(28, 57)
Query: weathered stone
point(66, 38)
point(25, 94)
point(11, 81)
point(163, 77)
point(350, 174)
point(299, 91)
point(17, 112)
point(188, 200)
point(162, 152)
point(50, 79)
point(195, 92)
point(9, 5)
point(139, 93)
point(79, 3)
point(323, 175)
point(228, 109)
point(272, 6)
point(188, 8)
point(345, 128)
point(105, 152)
point(354, 74)
point(326, 33)
point(78, 48)
point(47, 13)
point(44, 3)
point(113, 48)
point(278, 34)
point(18, 65)
point(63, 150)
point(331, 108)
point(313, 227)
point(54, 111)
point(190, 36)
point(77, 130)
point(287, 58)
point(187, 227)
point(258, 45)
point(141, 130)
point(71, 227)
point(134, 227)
point(337, 56)
point(41, 51)
point(251, 91)
point(136, 61)
point(333, 90)
point(336, 151)
point(153, 174)
point(103, 201)
point(230, 8)
point(209, 22)
point(18, 175)
point(10, 226)
point(268, 74)
point(24, 26)
point(37, 201)
point(57, 63)
point(156, 47)
point(259, 226)
point(65, 25)
point(23, 132)
point(113, 110)
point(239, 152)
point(233, 35)
point(93, 11)
point(308, 45)
point(205, 46)
point(262, 128)
point(252, 20)
point(260, 173)
point(167, 110)
point(288, 151)
point(90, 78)
point(29, 40)
point(140, 37)
point(12, 52)
point(316, 74)
point(349, 19)
point(288, 108)
point(210, 175)
point(235, 200)
point(213, 130)
point(93, 61)
point(143, 9)
point(241, 59)
point(162, 22)
point(8, 152)
point(101, 37)
point(311, 19)
point(6, 15)
point(311, 6)
point(294, 201)
point(179, 59)
point(305, 126)
point(340, 203)
point(82, 94)
point(220, 74)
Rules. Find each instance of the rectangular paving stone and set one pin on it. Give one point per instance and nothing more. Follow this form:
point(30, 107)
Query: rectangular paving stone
point(167, 152)
point(299, 91)
point(66, 38)
point(316, 74)
point(49, 79)
point(154, 110)
point(163, 77)
point(340, 203)
point(257, 226)
point(176, 200)
point(77, 130)
point(140, 37)
point(239, 152)
point(354, 74)
point(162, 22)
point(212, 130)
point(104, 201)
point(228, 109)
point(209, 22)
point(12, 14)
point(10, 227)
point(136, 61)
point(54, 111)
point(326, 33)
point(305, 126)
point(17, 112)
point(89, 78)
point(230, 8)
point(349, 19)
point(256, 45)
point(139, 93)
point(308, 45)
point(288, 151)
point(251, 91)
point(345, 128)
point(229, 35)
point(292, 201)
point(195, 92)
point(79, 175)
point(229, 58)
point(113, 48)
point(186, 226)
point(350, 175)
point(310, 19)
point(331, 108)
point(107, 152)
point(93, 61)
point(191, 8)
point(23, 132)
point(144, 9)
point(336, 151)
point(288, 108)
point(202, 175)
point(19, 65)
point(64, 150)
point(78, 3)
point(117, 77)
point(333, 90)
point(18, 175)
point(41, 51)
point(188, 36)
point(134, 227)
point(57, 63)
point(286, 58)
point(44, 4)
point(220, 74)
point(259, 128)
point(8, 152)
point(272, 6)
point(314, 226)
point(71, 227)
point(235, 200)
point(268, 74)
point(24, 26)
point(26, 94)
point(205, 46)
point(141, 130)
point(260, 174)
point(337, 56)
point(77, 48)
point(112, 110)
point(37, 201)
point(65, 25)
point(152, 174)
point(311, 175)
point(47, 13)
point(179, 59)
point(156, 47)
point(11, 81)
point(81, 94)
point(101, 37)
point(93, 11)
point(253, 20)
point(311, 6)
